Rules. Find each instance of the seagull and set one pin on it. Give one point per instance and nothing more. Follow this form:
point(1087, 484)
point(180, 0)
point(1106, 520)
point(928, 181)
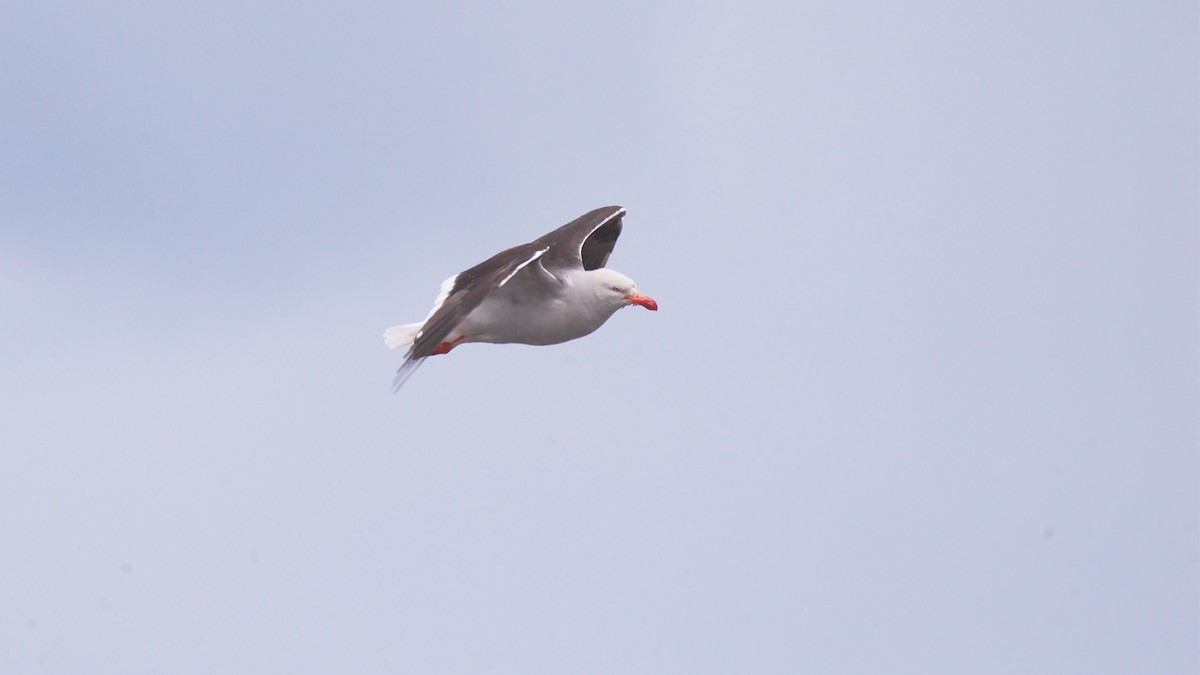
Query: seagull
point(551, 290)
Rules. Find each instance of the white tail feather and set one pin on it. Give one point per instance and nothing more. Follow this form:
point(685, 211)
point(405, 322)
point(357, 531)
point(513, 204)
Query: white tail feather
point(401, 336)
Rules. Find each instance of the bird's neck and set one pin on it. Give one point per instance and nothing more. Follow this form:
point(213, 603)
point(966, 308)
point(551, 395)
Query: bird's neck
point(581, 287)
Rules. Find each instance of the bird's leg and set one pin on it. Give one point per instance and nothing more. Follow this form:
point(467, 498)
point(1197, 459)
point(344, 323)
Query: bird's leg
point(445, 347)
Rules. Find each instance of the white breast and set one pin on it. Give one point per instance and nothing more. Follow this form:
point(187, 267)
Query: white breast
point(511, 316)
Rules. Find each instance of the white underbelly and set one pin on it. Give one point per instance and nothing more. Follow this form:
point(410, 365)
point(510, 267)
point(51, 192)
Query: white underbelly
point(503, 318)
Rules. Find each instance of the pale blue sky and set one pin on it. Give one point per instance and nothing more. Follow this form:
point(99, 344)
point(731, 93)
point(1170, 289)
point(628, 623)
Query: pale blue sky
point(922, 396)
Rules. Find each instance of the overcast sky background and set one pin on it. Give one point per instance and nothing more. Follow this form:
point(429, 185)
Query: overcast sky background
point(922, 396)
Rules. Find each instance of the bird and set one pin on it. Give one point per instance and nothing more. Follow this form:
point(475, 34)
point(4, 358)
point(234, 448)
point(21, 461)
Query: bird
point(554, 289)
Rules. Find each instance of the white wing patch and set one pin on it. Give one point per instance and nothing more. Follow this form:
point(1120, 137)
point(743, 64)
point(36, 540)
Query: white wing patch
point(513, 273)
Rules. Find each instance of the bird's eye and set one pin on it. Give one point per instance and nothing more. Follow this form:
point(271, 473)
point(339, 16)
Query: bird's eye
point(617, 288)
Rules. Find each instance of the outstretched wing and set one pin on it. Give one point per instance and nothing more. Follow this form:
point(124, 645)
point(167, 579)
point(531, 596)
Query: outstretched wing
point(586, 241)
point(469, 290)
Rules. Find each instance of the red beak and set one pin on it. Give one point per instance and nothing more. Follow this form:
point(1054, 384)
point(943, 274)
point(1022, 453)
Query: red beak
point(643, 300)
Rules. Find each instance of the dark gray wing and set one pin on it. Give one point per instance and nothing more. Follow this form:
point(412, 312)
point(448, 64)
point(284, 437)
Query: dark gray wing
point(586, 241)
point(470, 288)
point(468, 292)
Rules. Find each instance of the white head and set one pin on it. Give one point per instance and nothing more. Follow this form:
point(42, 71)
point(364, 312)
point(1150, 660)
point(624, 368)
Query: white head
point(616, 290)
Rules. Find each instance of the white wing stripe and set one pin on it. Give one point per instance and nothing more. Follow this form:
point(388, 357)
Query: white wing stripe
point(619, 213)
point(513, 273)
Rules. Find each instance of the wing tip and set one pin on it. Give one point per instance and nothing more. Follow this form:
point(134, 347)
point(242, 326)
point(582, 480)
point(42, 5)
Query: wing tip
point(618, 212)
point(405, 371)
